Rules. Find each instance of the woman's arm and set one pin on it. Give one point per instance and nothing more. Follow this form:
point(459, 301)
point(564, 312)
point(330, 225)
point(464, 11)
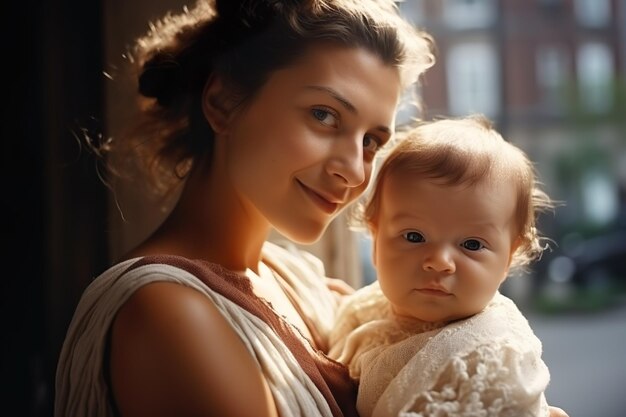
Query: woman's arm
point(172, 353)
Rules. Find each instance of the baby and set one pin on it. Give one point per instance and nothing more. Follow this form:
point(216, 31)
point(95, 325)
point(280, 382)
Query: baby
point(453, 209)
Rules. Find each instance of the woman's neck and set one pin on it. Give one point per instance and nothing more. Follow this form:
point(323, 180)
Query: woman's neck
point(210, 222)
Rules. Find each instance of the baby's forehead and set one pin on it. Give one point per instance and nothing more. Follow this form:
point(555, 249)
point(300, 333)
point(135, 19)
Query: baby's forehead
point(461, 207)
point(492, 176)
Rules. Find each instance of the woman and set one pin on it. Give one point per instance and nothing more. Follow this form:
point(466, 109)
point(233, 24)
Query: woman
point(268, 114)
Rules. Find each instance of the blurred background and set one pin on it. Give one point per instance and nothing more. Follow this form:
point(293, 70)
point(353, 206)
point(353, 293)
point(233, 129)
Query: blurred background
point(551, 74)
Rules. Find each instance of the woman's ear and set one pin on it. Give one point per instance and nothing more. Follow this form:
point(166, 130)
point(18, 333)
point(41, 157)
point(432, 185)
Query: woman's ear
point(215, 104)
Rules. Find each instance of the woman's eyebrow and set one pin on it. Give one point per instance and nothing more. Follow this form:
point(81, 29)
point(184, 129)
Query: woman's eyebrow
point(345, 102)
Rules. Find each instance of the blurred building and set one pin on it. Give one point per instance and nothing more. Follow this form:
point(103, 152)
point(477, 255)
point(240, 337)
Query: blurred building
point(515, 59)
point(551, 74)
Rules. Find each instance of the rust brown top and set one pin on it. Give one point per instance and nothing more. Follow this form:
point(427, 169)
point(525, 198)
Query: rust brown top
point(330, 377)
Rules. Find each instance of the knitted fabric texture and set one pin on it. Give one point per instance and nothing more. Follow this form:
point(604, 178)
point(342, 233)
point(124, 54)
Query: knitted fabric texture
point(487, 365)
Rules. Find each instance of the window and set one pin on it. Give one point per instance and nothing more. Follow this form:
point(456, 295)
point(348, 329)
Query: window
point(467, 14)
point(473, 79)
point(594, 63)
point(552, 75)
point(592, 13)
point(600, 200)
point(552, 7)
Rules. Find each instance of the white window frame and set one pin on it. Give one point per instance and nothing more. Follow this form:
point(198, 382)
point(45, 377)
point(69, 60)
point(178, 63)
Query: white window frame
point(473, 79)
point(595, 70)
point(469, 14)
point(593, 13)
point(552, 63)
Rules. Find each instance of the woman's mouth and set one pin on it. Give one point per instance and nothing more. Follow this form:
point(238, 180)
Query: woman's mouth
point(323, 203)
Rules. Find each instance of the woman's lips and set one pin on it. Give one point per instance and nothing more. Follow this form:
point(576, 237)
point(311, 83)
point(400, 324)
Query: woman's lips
point(327, 206)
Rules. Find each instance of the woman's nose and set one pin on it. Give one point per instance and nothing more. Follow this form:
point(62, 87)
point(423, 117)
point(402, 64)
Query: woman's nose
point(347, 162)
point(439, 259)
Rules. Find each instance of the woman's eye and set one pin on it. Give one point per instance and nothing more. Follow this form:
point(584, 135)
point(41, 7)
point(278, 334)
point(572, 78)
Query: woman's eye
point(325, 116)
point(414, 237)
point(371, 143)
point(472, 244)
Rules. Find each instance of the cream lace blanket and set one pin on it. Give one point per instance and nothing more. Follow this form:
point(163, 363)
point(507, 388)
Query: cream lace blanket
point(486, 366)
point(81, 389)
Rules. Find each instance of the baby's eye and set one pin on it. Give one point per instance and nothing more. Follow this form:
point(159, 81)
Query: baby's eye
point(472, 244)
point(414, 237)
point(325, 116)
point(371, 143)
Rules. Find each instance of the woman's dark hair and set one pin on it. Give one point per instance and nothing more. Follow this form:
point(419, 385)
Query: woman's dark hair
point(242, 42)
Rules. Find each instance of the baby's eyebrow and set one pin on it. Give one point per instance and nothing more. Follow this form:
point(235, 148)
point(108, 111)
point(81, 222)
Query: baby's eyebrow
point(404, 216)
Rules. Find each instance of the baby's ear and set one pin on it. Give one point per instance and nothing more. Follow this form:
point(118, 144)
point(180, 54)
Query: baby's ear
point(514, 246)
point(215, 99)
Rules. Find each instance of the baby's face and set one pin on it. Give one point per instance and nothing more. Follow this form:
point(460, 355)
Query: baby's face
point(441, 252)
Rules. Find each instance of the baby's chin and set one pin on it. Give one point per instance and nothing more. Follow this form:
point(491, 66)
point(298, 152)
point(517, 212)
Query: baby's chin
point(434, 317)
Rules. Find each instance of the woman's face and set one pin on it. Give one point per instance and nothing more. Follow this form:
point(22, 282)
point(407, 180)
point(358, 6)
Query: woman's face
point(303, 148)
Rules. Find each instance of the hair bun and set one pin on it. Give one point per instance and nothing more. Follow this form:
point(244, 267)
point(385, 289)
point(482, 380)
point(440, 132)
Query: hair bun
point(160, 79)
point(252, 13)
point(229, 9)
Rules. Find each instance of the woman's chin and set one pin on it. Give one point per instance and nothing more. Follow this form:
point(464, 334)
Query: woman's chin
point(305, 234)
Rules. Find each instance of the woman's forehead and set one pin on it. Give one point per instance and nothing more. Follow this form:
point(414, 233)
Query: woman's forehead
point(352, 75)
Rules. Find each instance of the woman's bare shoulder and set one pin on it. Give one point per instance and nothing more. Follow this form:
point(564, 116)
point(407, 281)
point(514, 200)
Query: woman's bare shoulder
point(173, 353)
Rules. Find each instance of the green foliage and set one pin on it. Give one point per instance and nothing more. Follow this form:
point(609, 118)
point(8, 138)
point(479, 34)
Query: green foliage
point(578, 115)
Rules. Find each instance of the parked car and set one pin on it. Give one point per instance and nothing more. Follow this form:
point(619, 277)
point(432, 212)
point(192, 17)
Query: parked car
point(587, 263)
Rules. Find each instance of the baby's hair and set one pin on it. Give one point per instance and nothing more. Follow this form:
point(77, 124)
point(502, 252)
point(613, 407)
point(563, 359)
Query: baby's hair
point(464, 151)
point(242, 42)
